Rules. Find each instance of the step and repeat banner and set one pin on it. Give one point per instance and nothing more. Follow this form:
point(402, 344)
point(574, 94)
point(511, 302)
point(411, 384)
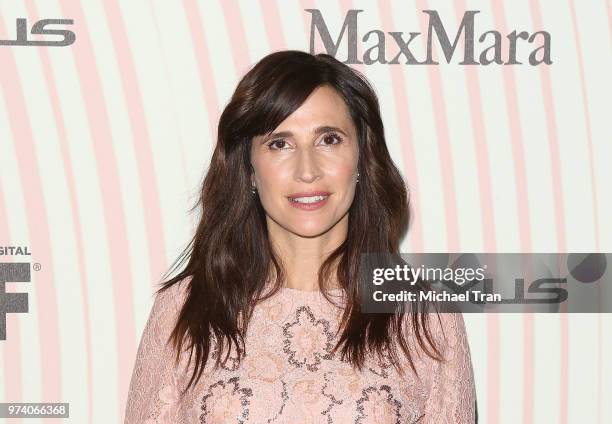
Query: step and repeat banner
point(497, 113)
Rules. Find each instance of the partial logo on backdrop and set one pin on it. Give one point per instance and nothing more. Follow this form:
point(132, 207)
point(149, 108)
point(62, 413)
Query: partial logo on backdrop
point(41, 27)
point(11, 303)
point(13, 272)
point(486, 282)
point(479, 48)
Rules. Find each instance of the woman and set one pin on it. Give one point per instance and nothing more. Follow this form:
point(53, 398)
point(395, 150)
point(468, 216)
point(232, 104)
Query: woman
point(263, 324)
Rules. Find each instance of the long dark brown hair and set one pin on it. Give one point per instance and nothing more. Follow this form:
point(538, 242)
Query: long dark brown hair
point(231, 259)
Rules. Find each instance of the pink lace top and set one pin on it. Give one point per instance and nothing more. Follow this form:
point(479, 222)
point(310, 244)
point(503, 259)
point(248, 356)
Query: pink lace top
point(289, 376)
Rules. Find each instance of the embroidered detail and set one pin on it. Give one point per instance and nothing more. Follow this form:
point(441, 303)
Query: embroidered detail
point(444, 392)
point(378, 404)
point(225, 401)
point(307, 340)
point(284, 398)
point(333, 401)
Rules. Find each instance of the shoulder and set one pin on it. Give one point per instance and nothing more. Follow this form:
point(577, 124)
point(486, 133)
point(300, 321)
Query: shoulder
point(446, 324)
point(440, 324)
point(169, 300)
point(446, 329)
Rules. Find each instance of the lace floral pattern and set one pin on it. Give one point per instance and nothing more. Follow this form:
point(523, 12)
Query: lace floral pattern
point(225, 401)
point(379, 404)
point(307, 340)
point(288, 374)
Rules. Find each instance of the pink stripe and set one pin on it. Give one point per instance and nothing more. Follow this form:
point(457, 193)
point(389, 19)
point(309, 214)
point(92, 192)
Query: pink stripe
point(74, 208)
point(273, 25)
point(110, 190)
point(587, 118)
point(38, 226)
point(205, 72)
point(13, 389)
point(238, 39)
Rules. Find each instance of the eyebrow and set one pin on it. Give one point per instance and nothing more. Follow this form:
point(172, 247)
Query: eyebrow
point(317, 131)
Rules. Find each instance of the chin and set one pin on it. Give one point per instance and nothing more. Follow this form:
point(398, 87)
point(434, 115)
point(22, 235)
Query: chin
point(309, 227)
point(309, 230)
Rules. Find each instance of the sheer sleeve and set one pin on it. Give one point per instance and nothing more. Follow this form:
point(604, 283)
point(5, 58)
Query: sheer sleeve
point(453, 396)
point(153, 395)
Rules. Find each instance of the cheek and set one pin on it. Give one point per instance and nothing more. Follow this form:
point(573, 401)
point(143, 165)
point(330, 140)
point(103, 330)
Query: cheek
point(342, 174)
point(273, 180)
point(270, 163)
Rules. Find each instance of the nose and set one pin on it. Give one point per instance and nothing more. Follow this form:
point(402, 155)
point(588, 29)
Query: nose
point(307, 169)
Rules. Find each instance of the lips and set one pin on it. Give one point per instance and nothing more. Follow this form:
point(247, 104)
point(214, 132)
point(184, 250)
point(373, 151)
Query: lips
point(308, 194)
point(309, 201)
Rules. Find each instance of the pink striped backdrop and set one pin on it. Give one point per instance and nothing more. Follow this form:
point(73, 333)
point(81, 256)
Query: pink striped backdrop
point(499, 159)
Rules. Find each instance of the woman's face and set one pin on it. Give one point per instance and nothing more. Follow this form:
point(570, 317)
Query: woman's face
point(306, 170)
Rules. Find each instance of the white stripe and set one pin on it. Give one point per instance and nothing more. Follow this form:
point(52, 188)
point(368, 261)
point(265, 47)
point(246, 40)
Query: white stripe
point(292, 22)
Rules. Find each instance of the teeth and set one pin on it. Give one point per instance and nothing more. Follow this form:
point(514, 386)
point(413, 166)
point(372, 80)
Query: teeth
point(311, 199)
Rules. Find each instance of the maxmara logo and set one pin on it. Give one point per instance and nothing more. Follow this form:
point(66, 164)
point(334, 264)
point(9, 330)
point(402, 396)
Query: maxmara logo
point(40, 28)
point(478, 49)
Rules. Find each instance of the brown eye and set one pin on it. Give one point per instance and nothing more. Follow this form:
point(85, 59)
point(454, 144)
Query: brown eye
point(275, 143)
point(331, 137)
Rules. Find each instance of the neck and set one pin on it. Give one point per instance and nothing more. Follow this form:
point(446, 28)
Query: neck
point(303, 256)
